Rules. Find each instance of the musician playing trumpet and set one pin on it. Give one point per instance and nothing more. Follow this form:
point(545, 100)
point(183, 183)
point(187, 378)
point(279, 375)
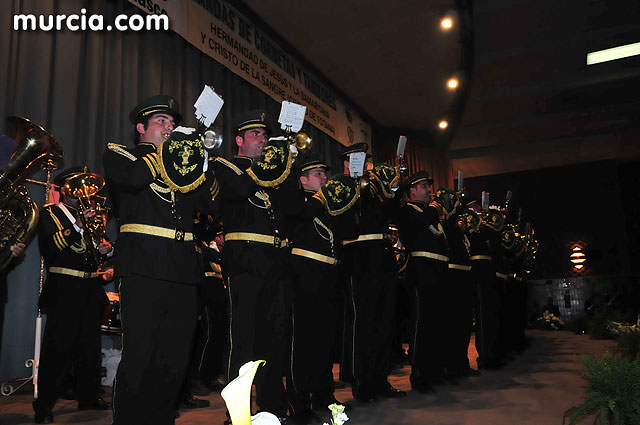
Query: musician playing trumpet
point(73, 300)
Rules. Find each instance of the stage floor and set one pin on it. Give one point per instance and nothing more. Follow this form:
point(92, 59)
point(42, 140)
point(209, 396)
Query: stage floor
point(535, 389)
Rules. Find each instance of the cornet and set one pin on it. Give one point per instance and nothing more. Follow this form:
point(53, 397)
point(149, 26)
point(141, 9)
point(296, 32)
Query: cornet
point(84, 187)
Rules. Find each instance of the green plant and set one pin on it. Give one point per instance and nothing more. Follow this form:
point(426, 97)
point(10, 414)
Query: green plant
point(628, 337)
point(598, 326)
point(613, 391)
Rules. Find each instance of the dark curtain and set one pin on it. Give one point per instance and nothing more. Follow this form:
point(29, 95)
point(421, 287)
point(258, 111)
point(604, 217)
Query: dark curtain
point(81, 86)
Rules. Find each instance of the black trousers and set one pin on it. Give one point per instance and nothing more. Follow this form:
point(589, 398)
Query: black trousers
point(71, 336)
point(458, 298)
point(158, 319)
point(215, 328)
point(430, 319)
point(258, 318)
point(314, 322)
point(372, 291)
point(488, 313)
point(211, 335)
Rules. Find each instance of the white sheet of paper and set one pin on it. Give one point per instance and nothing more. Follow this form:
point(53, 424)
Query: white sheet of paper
point(292, 116)
point(402, 144)
point(356, 163)
point(208, 106)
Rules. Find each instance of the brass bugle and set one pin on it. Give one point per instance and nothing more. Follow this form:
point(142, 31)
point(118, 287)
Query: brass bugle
point(212, 139)
point(301, 141)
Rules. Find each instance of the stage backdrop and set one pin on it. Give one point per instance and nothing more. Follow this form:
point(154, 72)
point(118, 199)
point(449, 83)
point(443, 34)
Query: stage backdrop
point(81, 86)
point(222, 32)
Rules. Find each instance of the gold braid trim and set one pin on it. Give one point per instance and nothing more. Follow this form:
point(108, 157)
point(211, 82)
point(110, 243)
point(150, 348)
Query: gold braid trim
point(161, 232)
point(343, 209)
point(114, 147)
point(415, 207)
point(272, 183)
point(214, 189)
point(324, 226)
point(229, 164)
point(151, 160)
point(388, 195)
point(55, 219)
point(170, 183)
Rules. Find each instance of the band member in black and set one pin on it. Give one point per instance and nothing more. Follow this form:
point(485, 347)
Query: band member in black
point(73, 299)
point(156, 266)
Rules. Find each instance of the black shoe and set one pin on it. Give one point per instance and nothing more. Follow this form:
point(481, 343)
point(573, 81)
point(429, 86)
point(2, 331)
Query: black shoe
point(99, 404)
point(43, 417)
point(320, 404)
point(176, 414)
point(305, 417)
point(390, 392)
point(194, 403)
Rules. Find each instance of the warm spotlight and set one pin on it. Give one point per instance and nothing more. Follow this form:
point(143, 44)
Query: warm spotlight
point(446, 23)
point(453, 83)
point(443, 124)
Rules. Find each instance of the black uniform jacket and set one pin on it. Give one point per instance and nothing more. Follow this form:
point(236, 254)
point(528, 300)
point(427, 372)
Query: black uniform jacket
point(140, 197)
point(316, 231)
point(420, 229)
point(457, 242)
point(251, 209)
point(64, 250)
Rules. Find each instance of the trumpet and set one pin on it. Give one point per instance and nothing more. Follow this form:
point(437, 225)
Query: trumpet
point(301, 140)
point(212, 138)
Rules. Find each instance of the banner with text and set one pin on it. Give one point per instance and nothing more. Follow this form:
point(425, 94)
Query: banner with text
point(221, 32)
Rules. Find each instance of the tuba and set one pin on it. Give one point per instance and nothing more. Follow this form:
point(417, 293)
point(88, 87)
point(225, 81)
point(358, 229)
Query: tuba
point(18, 213)
point(84, 187)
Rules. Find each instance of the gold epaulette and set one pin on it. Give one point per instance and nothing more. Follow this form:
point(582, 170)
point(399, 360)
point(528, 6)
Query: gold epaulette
point(415, 207)
point(229, 164)
point(122, 150)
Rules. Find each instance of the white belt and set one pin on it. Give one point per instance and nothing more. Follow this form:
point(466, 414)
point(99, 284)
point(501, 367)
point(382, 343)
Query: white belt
point(72, 272)
point(431, 255)
point(481, 257)
point(314, 256)
point(362, 238)
point(460, 267)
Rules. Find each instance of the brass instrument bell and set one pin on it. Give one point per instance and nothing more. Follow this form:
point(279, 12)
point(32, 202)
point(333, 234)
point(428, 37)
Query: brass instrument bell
point(301, 141)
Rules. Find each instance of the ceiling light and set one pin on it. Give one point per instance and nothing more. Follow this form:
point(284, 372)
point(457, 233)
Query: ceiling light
point(453, 83)
point(446, 23)
point(443, 124)
point(613, 53)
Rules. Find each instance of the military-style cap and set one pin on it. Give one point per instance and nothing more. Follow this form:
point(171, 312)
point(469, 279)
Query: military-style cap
point(356, 147)
point(417, 178)
point(60, 179)
point(155, 105)
point(310, 164)
point(256, 118)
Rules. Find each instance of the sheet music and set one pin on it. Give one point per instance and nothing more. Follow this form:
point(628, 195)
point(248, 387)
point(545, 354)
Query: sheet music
point(402, 144)
point(356, 164)
point(208, 106)
point(291, 116)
